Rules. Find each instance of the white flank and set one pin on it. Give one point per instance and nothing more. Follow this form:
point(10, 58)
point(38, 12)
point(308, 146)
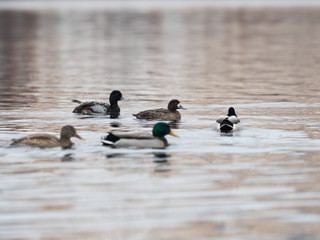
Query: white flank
point(98, 108)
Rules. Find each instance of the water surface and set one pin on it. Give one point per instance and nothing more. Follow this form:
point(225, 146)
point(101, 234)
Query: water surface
point(259, 183)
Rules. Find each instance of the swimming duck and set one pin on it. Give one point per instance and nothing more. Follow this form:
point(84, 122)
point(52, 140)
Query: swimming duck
point(162, 114)
point(230, 122)
point(47, 140)
point(140, 140)
point(92, 107)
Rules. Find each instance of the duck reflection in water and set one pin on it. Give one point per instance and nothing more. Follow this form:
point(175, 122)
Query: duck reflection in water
point(115, 155)
point(229, 134)
point(162, 161)
point(67, 158)
point(174, 125)
point(115, 124)
point(159, 157)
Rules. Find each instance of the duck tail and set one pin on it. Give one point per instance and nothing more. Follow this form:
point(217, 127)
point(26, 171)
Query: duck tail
point(110, 139)
point(226, 126)
point(76, 101)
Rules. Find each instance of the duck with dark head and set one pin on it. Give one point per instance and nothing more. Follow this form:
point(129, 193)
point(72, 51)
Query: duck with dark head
point(94, 107)
point(162, 114)
point(140, 139)
point(229, 123)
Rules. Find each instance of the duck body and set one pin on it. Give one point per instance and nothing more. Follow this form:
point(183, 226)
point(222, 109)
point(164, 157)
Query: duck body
point(140, 140)
point(134, 140)
point(162, 114)
point(92, 107)
point(48, 140)
point(95, 107)
point(38, 140)
point(229, 123)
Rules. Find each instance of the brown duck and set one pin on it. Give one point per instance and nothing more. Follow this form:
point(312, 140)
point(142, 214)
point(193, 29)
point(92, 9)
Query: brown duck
point(162, 114)
point(47, 140)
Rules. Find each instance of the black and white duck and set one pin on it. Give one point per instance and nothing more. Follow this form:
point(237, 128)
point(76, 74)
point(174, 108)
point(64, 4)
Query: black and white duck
point(229, 123)
point(94, 107)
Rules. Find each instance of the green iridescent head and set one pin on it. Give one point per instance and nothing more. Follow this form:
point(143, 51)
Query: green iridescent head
point(161, 129)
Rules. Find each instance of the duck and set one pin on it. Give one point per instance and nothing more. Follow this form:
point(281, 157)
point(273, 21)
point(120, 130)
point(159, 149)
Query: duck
point(93, 107)
point(229, 123)
point(48, 140)
point(162, 114)
point(140, 140)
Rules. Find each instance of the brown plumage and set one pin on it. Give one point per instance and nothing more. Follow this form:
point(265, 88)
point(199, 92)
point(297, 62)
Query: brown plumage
point(47, 140)
point(162, 114)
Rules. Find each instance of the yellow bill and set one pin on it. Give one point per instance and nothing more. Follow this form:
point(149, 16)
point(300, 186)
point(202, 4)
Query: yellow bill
point(173, 134)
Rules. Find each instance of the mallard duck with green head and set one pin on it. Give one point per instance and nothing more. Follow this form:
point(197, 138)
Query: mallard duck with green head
point(92, 107)
point(140, 140)
point(48, 140)
point(162, 114)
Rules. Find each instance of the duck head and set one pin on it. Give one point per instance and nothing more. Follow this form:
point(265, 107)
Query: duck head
point(174, 104)
point(231, 112)
point(161, 129)
point(116, 96)
point(68, 132)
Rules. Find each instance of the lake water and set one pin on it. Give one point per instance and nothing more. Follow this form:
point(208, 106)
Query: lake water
point(260, 183)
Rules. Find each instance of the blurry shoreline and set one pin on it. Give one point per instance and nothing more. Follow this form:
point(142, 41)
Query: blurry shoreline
point(98, 4)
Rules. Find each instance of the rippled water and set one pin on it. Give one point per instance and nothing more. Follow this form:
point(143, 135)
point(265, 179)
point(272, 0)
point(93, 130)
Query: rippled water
point(260, 183)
